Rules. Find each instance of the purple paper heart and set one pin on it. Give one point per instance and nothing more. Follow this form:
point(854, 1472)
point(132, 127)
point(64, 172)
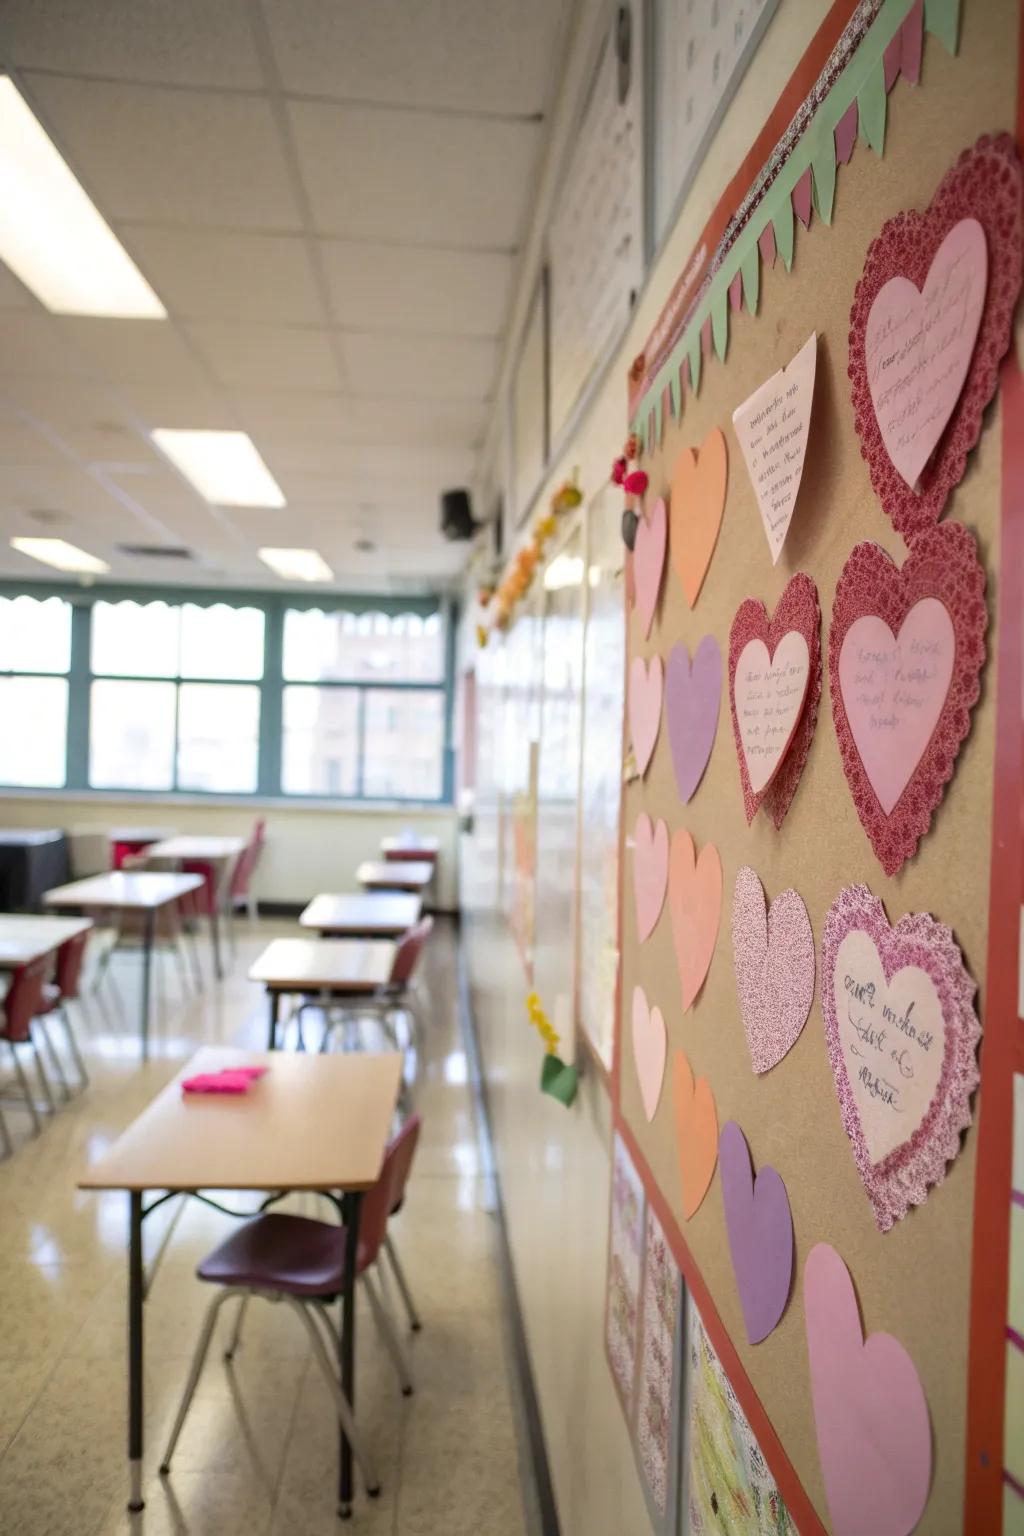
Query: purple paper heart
point(760, 1227)
point(692, 697)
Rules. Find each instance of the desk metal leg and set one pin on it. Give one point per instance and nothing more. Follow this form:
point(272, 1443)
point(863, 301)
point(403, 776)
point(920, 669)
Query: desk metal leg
point(135, 1298)
point(347, 1345)
point(218, 969)
point(147, 962)
point(275, 1004)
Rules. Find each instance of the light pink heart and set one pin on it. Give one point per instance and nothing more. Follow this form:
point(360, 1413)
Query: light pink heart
point(894, 689)
point(919, 344)
point(773, 955)
point(646, 685)
point(649, 561)
point(769, 694)
point(870, 1413)
point(650, 1050)
point(650, 872)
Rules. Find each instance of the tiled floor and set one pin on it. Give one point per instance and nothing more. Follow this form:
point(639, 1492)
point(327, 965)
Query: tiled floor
point(259, 1451)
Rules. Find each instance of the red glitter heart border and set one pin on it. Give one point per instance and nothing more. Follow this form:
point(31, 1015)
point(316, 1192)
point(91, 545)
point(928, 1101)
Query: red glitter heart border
point(904, 1177)
point(986, 184)
point(943, 563)
point(798, 608)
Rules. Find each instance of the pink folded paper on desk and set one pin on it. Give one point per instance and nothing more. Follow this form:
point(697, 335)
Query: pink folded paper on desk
point(228, 1080)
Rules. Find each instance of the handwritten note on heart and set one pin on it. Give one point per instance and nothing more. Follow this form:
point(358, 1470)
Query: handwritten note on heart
point(769, 692)
point(894, 689)
point(773, 427)
point(918, 347)
point(902, 1039)
point(696, 1132)
point(692, 697)
point(650, 1048)
point(695, 907)
point(649, 561)
point(650, 872)
point(696, 504)
point(760, 1227)
point(870, 1414)
point(773, 954)
point(645, 689)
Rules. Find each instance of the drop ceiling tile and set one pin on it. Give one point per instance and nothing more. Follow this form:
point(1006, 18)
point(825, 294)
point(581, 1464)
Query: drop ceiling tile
point(168, 155)
point(451, 367)
point(384, 421)
point(274, 356)
point(379, 174)
point(222, 275)
point(159, 403)
point(31, 343)
point(13, 294)
point(455, 54)
point(276, 416)
point(132, 351)
point(334, 463)
point(189, 42)
point(381, 287)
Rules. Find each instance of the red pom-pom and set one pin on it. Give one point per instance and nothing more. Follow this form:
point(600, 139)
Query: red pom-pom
point(619, 471)
point(635, 482)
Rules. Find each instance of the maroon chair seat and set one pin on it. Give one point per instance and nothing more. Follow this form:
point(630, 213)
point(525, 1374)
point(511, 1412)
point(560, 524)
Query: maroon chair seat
point(279, 1252)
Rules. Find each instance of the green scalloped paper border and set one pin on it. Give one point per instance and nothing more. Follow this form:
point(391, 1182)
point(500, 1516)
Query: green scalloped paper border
point(863, 81)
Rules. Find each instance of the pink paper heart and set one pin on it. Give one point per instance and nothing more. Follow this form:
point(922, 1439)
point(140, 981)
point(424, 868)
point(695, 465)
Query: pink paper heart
point(870, 1413)
point(645, 690)
point(919, 344)
point(650, 1050)
point(695, 908)
point(769, 689)
point(649, 561)
point(773, 953)
point(650, 872)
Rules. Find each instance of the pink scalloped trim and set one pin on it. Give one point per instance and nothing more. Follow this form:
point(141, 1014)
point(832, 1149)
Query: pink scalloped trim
point(943, 563)
point(798, 609)
point(904, 1177)
point(985, 184)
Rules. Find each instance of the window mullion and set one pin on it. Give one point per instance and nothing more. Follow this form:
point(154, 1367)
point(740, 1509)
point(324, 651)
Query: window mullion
point(271, 741)
point(79, 698)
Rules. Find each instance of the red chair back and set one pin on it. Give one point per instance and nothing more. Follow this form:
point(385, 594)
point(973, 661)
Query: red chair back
point(379, 1202)
point(25, 999)
point(68, 972)
point(245, 864)
point(204, 898)
point(407, 955)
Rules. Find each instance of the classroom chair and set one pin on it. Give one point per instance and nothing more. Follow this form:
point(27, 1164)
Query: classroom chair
point(300, 1261)
point(24, 1002)
point(64, 988)
point(397, 995)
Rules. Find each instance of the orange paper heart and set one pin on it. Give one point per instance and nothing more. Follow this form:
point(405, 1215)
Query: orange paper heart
point(696, 505)
point(696, 1132)
point(695, 906)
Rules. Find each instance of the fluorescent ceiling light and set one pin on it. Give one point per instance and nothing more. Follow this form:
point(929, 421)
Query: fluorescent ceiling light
point(51, 234)
point(297, 564)
point(58, 552)
point(224, 467)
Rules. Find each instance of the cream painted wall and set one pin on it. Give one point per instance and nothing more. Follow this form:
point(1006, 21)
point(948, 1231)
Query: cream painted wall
point(309, 848)
point(553, 1163)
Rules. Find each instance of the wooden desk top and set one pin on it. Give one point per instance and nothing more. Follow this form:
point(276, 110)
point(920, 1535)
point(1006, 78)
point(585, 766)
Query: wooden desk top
point(387, 913)
point(410, 846)
point(395, 874)
point(185, 847)
point(25, 938)
point(341, 965)
point(312, 1122)
point(144, 888)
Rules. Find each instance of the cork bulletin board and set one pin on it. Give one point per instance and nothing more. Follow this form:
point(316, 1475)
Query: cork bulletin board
point(913, 1280)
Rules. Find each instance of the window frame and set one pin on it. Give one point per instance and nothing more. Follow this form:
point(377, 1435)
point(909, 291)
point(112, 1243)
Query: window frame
point(271, 685)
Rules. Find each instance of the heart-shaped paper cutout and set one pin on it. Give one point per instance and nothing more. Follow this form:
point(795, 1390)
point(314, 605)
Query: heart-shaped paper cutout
point(918, 346)
point(649, 562)
point(696, 1132)
point(901, 720)
point(645, 689)
point(797, 613)
point(902, 1039)
point(760, 1227)
point(768, 694)
point(870, 1414)
point(650, 1048)
point(984, 186)
point(696, 505)
point(650, 872)
point(692, 696)
point(773, 953)
point(695, 907)
point(772, 427)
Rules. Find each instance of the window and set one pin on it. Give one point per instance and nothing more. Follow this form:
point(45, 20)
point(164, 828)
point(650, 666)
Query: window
point(164, 693)
point(35, 658)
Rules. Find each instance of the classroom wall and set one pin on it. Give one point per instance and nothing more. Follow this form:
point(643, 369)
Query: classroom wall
point(554, 1163)
point(309, 848)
